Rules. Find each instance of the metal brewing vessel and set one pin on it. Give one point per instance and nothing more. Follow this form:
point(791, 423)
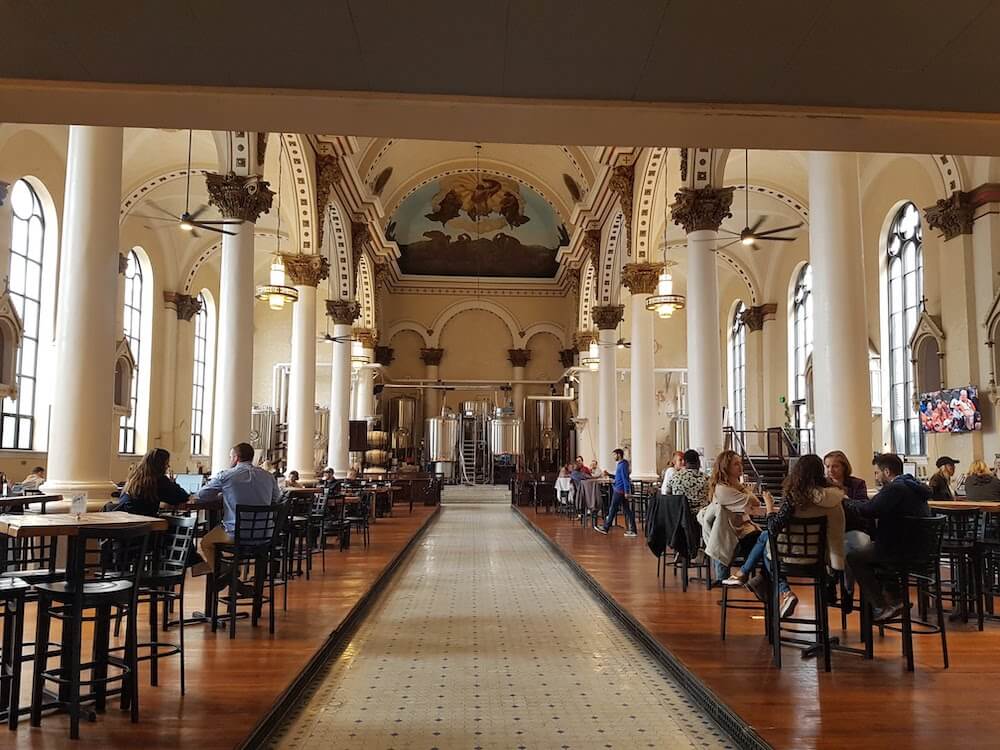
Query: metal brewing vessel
point(506, 436)
point(442, 438)
point(402, 421)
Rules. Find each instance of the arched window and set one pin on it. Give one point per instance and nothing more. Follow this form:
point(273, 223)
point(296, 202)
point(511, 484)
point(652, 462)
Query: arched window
point(132, 326)
point(738, 369)
point(25, 282)
point(802, 347)
point(905, 277)
point(200, 379)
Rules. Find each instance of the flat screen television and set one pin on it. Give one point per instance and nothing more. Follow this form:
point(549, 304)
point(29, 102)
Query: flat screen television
point(951, 410)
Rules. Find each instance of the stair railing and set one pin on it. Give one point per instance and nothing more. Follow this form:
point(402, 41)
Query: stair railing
point(735, 442)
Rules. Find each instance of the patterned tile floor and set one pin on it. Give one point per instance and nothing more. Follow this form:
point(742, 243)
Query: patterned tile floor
point(486, 640)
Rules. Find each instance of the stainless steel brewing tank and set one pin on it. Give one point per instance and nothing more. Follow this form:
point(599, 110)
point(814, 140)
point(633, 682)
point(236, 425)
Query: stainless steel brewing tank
point(402, 421)
point(506, 436)
point(442, 438)
point(546, 427)
point(474, 408)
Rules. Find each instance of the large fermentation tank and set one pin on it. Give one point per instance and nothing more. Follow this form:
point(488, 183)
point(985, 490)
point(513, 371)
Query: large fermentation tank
point(546, 429)
point(442, 438)
point(506, 436)
point(402, 422)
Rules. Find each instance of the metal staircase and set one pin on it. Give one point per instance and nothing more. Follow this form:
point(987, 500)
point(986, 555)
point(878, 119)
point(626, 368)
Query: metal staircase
point(472, 449)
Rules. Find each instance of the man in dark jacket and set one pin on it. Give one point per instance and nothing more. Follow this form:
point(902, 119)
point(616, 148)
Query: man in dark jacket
point(901, 495)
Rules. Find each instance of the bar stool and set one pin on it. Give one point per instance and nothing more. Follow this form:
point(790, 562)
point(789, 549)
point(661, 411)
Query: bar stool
point(12, 597)
point(958, 551)
point(112, 581)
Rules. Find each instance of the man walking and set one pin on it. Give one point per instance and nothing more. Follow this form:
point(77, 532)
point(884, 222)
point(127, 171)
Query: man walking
point(620, 489)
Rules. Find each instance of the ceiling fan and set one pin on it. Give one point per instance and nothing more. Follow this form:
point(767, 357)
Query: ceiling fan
point(188, 221)
point(750, 236)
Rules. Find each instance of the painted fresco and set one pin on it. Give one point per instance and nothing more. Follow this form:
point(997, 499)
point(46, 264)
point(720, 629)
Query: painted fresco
point(460, 226)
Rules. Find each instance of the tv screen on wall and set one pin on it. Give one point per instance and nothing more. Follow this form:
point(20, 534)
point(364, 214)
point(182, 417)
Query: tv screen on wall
point(951, 410)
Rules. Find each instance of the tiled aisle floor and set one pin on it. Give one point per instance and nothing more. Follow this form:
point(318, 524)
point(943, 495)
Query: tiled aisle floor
point(485, 639)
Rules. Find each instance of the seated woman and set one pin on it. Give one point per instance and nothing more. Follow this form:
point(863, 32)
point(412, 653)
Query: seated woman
point(980, 484)
point(840, 473)
point(736, 502)
point(857, 530)
point(148, 485)
point(807, 494)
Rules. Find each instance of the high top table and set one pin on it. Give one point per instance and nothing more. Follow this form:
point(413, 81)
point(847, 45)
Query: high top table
point(9, 502)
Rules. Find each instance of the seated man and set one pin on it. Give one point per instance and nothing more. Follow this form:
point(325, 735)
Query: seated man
point(242, 484)
point(901, 495)
point(690, 482)
point(35, 479)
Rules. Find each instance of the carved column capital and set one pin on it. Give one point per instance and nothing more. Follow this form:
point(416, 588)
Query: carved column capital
point(236, 197)
point(384, 355)
point(607, 317)
point(952, 216)
point(366, 336)
point(592, 247)
point(186, 305)
point(755, 317)
point(701, 208)
point(431, 357)
point(519, 357)
point(306, 270)
point(641, 278)
point(343, 311)
point(567, 358)
point(583, 340)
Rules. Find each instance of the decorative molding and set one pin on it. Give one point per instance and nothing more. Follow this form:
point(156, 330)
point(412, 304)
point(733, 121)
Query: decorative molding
point(928, 328)
point(11, 336)
point(583, 340)
point(952, 216)
point(306, 270)
point(4, 189)
point(567, 358)
point(236, 197)
point(622, 184)
point(384, 355)
point(610, 261)
point(185, 305)
point(124, 372)
point(701, 208)
point(366, 336)
point(641, 278)
point(519, 357)
point(684, 164)
point(262, 150)
point(343, 311)
point(650, 175)
point(328, 174)
point(122, 263)
point(607, 317)
point(755, 317)
point(431, 356)
point(591, 244)
point(360, 236)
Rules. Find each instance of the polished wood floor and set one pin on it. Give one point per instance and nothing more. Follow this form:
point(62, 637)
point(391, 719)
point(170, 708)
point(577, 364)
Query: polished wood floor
point(860, 704)
point(232, 684)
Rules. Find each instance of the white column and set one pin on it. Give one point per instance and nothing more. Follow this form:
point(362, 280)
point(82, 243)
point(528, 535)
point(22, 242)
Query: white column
point(365, 407)
point(343, 312)
point(81, 438)
point(641, 279)
point(245, 199)
point(519, 359)
point(704, 345)
point(186, 307)
point(586, 435)
point(606, 319)
point(167, 404)
point(302, 383)
point(432, 398)
point(840, 350)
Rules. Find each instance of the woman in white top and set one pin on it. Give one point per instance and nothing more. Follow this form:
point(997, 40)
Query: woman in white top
point(727, 489)
point(676, 464)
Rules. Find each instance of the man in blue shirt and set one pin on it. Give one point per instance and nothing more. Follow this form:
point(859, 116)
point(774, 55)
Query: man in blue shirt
point(620, 489)
point(241, 484)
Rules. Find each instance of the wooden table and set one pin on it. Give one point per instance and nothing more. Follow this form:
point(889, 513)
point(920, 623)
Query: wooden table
point(69, 524)
point(23, 501)
point(987, 506)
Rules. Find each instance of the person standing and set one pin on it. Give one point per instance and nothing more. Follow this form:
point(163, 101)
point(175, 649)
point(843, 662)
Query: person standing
point(620, 489)
point(940, 481)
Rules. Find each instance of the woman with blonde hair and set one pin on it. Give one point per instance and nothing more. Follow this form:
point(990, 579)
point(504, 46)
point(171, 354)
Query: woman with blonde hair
point(839, 471)
point(980, 484)
point(726, 489)
point(148, 485)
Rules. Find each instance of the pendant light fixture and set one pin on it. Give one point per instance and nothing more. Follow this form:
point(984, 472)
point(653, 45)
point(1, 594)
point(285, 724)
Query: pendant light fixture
point(277, 292)
point(665, 302)
point(592, 358)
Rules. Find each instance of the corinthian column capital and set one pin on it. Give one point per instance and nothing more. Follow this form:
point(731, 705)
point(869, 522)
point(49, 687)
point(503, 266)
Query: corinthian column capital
point(186, 305)
point(240, 198)
point(607, 317)
point(306, 270)
point(343, 311)
point(641, 278)
point(701, 208)
point(431, 357)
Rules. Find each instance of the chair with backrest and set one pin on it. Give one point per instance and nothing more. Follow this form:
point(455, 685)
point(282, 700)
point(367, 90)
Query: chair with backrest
point(565, 495)
point(104, 572)
point(688, 551)
point(799, 555)
point(257, 545)
point(13, 593)
point(987, 566)
point(919, 567)
point(958, 552)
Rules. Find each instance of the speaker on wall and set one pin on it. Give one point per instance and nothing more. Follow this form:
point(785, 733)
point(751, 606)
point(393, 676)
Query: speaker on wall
point(357, 435)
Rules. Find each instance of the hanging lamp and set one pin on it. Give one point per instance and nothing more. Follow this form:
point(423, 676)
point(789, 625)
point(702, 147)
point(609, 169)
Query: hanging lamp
point(592, 358)
point(277, 292)
point(665, 302)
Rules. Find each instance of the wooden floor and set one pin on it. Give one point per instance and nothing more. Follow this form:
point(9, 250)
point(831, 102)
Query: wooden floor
point(232, 684)
point(860, 704)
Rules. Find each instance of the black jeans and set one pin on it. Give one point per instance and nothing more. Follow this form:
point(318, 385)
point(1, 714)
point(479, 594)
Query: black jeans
point(864, 564)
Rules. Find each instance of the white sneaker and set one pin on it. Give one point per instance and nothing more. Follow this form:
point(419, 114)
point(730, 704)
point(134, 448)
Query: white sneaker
point(630, 533)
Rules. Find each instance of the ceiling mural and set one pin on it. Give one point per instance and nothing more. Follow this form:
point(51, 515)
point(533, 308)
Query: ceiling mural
point(464, 225)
